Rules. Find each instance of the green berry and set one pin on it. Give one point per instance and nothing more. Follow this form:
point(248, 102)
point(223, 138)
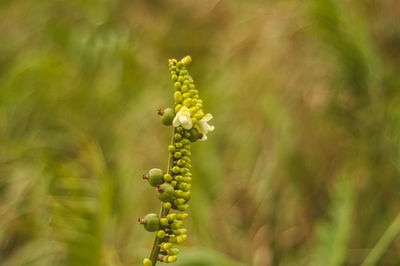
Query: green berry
point(194, 134)
point(155, 177)
point(147, 262)
point(167, 116)
point(151, 222)
point(166, 192)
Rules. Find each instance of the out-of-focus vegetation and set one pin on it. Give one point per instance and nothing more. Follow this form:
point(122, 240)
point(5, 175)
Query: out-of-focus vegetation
point(303, 168)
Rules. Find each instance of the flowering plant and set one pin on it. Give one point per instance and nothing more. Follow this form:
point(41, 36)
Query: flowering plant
point(173, 186)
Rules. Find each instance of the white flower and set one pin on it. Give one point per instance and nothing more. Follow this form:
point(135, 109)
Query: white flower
point(204, 127)
point(183, 118)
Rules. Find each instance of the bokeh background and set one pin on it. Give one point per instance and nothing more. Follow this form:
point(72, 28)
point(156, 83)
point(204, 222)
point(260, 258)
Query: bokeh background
point(302, 169)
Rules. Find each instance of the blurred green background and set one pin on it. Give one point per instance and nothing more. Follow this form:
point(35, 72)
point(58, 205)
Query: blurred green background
point(302, 169)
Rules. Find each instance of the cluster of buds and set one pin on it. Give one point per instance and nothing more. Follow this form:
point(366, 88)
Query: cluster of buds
point(190, 124)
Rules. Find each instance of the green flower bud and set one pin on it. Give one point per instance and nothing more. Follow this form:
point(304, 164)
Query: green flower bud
point(188, 103)
point(173, 251)
point(186, 60)
point(178, 107)
point(172, 259)
point(179, 129)
point(185, 88)
point(176, 224)
point(165, 245)
point(192, 87)
point(176, 169)
point(173, 183)
point(178, 193)
point(166, 192)
point(181, 162)
point(177, 155)
point(187, 159)
point(167, 177)
point(178, 178)
point(184, 170)
point(174, 77)
point(178, 136)
point(186, 95)
point(185, 141)
point(171, 149)
point(186, 82)
point(182, 216)
point(177, 85)
point(194, 134)
point(181, 79)
point(186, 195)
point(161, 234)
point(172, 238)
point(147, 262)
point(178, 97)
point(181, 231)
point(164, 222)
point(183, 207)
point(167, 116)
point(179, 64)
point(151, 222)
point(167, 205)
point(179, 145)
point(179, 201)
point(171, 217)
point(154, 177)
point(181, 239)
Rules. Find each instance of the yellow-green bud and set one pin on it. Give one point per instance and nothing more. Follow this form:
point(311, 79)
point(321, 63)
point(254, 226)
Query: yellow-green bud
point(161, 234)
point(181, 239)
point(186, 60)
point(177, 85)
point(164, 221)
point(167, 205)
point(147, 262)
point(172, 259)
point(178, 97)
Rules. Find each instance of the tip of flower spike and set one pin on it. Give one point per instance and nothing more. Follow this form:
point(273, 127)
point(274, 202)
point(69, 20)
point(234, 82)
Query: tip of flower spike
point(186, 60)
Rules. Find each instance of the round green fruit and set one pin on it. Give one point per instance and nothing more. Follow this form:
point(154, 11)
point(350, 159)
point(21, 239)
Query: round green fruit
point(168, 116)
point(151, 222)
point(166, 192)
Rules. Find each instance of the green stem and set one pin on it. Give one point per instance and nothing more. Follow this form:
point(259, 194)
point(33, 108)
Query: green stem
point(383, 244)
point(163, 212)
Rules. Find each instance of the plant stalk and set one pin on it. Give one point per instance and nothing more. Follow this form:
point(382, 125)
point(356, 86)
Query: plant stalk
point(155, 251)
